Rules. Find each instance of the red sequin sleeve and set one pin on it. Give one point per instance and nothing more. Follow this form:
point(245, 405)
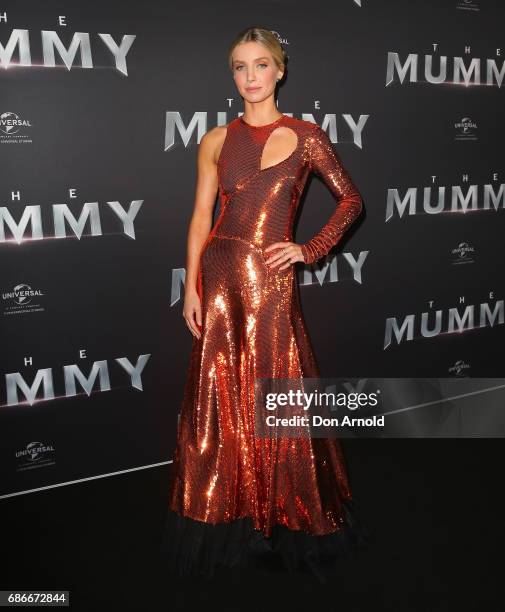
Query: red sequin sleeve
point(326, 163)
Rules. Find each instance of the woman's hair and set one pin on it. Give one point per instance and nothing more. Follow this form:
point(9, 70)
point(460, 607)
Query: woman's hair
point(264, 37)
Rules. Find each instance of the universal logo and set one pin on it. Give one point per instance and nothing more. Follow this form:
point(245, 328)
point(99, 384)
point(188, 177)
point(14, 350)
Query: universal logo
point(22, 298)
point(35, 455)
point(283, 41)
point(463, 254)
point(465, 129)
point(467, 5)
point(459, 368)
point(13, 129)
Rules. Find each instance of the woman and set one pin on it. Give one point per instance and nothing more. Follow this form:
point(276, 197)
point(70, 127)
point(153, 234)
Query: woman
point(233, 496)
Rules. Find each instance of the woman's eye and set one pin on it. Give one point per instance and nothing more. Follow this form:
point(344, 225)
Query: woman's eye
point(239, 67)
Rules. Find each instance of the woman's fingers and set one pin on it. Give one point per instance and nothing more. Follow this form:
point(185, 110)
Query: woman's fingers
point(190, 322)
point(288, 256)
point(198, 313)
point(192, 313)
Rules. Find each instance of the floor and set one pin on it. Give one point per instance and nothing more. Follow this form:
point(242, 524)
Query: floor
point(434, 506)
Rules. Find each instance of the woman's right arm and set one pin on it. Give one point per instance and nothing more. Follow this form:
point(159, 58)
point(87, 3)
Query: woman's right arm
point(201, 223)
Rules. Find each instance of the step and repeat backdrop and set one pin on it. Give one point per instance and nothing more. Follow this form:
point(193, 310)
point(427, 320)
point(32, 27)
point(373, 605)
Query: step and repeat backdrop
point(102, 108)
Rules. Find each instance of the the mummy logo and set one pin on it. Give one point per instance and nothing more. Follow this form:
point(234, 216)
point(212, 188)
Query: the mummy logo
point(35, 454)
point(453, 321)
point(463, 254)
point(436, 200)
point(41, 387)
point(11, 124)
point(330, 269)
point(459, 369)
point(64, 223)
point(465, 129)
point(53, 46)
point(176, 130)
point(176, 289)
point(441, 69)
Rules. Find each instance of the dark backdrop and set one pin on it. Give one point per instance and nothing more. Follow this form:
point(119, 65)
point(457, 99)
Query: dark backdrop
point(98, 138)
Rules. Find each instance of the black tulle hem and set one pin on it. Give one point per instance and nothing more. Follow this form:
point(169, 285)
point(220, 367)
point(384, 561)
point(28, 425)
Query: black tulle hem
point(196, 548)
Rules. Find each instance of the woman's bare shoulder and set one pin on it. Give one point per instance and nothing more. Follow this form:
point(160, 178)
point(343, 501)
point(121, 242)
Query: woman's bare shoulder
point(213, 140)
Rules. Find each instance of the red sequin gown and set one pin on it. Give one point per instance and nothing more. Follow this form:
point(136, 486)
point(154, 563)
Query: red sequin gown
point(233, 495)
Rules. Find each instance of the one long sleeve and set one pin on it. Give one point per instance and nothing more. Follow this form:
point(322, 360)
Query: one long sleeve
point(325, 162)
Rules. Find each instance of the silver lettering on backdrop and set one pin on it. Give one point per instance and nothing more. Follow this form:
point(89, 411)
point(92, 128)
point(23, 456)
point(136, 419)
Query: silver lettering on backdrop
point(51, 42)
point(32, 215)
point(199, 122)
point(174, 120)
point(460, 202)
point(327, 269)
point(178, 279)
point(461, 73)
point(15, 381)
point(456, 322)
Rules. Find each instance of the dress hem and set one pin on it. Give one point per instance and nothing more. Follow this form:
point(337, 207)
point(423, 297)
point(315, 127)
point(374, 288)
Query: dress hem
point(191, 547)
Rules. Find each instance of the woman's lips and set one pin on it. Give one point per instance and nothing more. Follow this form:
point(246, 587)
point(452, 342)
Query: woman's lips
point(252, 88)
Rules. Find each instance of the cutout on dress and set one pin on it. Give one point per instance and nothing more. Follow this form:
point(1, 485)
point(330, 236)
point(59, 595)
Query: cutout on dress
point(280, 145)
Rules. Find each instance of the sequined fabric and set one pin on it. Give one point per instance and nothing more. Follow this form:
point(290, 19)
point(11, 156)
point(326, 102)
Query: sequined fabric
point(252, 326)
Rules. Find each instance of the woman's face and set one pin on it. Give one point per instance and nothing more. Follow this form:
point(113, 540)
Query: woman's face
point(254, 71)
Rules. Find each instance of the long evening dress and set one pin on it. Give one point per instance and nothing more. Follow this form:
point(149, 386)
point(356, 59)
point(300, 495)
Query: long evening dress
point(234, 497)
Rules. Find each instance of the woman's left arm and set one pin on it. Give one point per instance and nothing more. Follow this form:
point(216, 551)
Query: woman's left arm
point(324, 161)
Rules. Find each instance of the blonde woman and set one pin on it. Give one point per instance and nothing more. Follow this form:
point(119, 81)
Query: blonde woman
point(235, 497)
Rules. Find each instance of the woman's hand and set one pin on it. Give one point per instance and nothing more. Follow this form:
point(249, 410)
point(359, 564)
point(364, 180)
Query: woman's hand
point(192, 312)
point(288, 253)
